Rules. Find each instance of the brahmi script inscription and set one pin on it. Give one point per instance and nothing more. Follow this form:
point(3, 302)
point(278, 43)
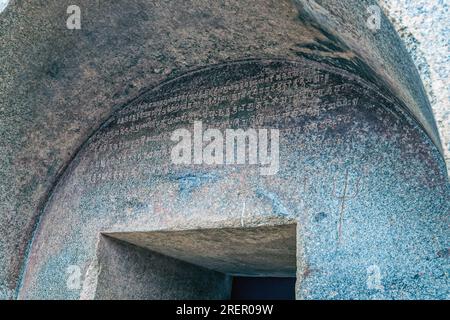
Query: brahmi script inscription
point(296, 98)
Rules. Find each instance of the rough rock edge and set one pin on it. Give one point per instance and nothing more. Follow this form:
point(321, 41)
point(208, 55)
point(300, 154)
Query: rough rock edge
point(403, 16)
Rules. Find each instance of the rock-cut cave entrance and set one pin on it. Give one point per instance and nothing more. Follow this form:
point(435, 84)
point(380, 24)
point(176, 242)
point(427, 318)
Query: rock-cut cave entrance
point(227, 263)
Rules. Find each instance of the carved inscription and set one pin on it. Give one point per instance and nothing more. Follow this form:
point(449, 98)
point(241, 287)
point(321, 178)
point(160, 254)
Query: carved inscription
point(292, 97)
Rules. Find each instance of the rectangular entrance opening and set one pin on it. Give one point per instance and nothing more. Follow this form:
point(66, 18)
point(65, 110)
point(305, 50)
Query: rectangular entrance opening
point(224, 263)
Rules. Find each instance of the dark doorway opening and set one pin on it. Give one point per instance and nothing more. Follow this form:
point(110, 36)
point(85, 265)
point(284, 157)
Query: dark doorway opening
point(199, 264)
point(263, 288)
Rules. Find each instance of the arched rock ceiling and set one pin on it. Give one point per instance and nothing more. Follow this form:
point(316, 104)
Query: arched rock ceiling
point(58, 85)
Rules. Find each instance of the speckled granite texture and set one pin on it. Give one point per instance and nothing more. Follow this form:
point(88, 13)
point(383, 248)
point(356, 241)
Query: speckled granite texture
point(58, 87)
point(424, 27)
point(344, 144)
